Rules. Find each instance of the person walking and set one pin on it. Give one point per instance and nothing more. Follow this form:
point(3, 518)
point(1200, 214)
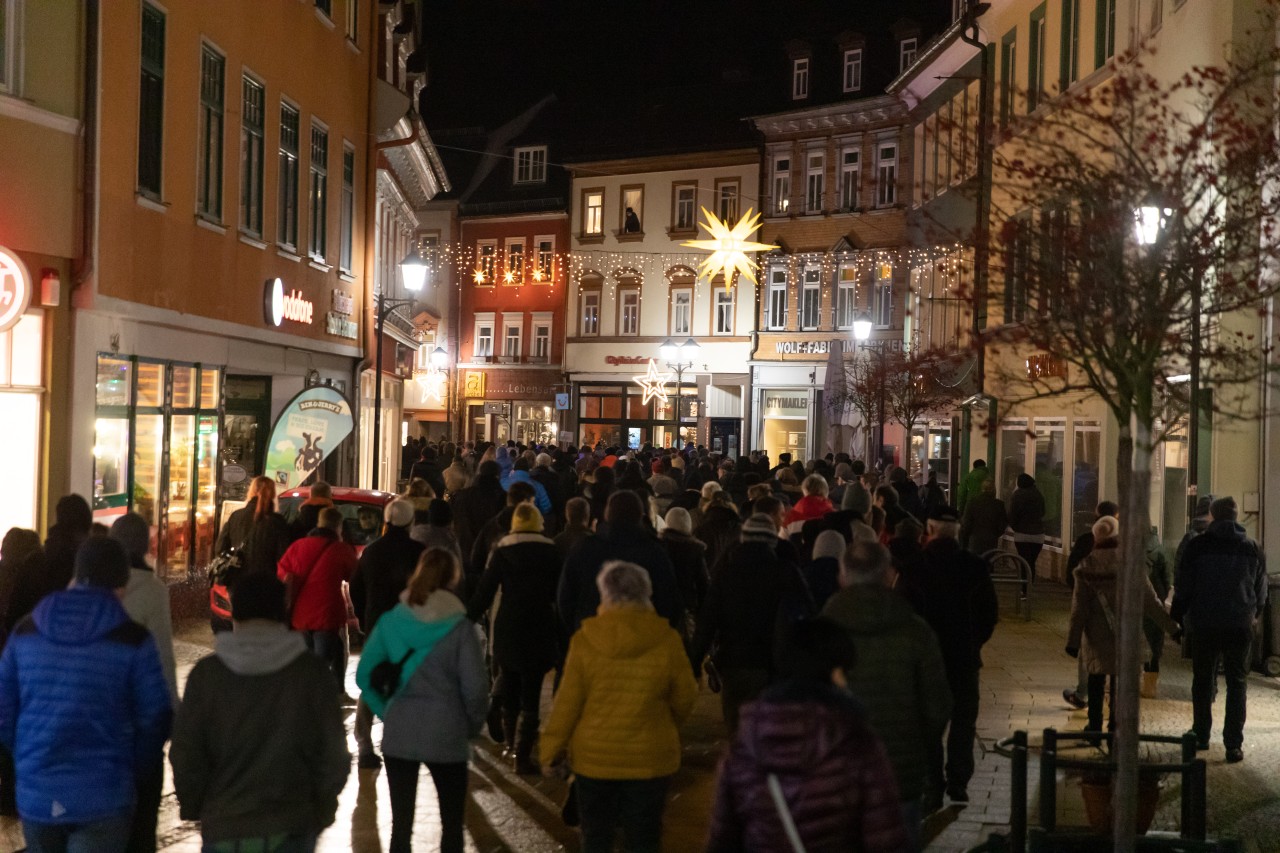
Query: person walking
point(437, 531)
point(442, 679)
point(831, 774)
point(1219, 594)
point(822, 572)
point(577, 526)
point(313, 571)
point(971, 484)
point(1026, 520)
point(1162, 582)
point(1091, 632)
point(689, 559)
point(899, 677)
point(813, 505)
point(1081, 548)
point(308, 519)
point(983, 520)
point(718, 526)
point(476, 504)
point(256, 530)
point(626, 691)
point(84, 709)
point(525, 568)
point(259, 753)
point(856, 497)
point(73, 520)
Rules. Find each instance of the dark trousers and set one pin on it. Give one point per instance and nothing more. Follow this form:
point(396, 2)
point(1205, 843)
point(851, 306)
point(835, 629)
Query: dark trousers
point(1207, 648)
point(294, 842)
point(8, 792)
point(738, 687)
point(1155, 639)
point(1029, 551)
point(1098, 686)
point(521, 694)
point(150, 784)
point(961, 733)
point(631, 805)
point(330, 647)
point(103, 836)
point(451, 790)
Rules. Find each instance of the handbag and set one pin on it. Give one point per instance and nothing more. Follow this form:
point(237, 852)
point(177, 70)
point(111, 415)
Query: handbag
point(385, 678)
point(225, 567)
point(784, 813)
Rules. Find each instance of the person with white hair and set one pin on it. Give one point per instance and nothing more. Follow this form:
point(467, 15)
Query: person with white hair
point(689, 558)
point(617, 715)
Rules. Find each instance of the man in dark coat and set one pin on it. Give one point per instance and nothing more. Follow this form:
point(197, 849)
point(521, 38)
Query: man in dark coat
point(428, 468)
point(493, 530)
point(689, 557)
point(908, 494)
point(622, 536)
point(984, 520)
point(73, 521)
point(958, 600)
point(1218, 596)
point(475, 505)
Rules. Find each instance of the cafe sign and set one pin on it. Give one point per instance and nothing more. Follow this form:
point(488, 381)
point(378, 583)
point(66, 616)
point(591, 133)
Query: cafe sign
point(15, 289)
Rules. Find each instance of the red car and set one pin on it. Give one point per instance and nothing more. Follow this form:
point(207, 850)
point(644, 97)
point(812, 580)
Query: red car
point(361, 524)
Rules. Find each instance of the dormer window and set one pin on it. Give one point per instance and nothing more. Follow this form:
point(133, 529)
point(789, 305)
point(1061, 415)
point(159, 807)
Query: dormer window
point(531, 165)
point(906, 54)
point(799, 78)
point(853, 70)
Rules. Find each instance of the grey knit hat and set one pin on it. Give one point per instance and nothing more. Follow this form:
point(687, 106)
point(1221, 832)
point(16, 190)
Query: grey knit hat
point(759, 526)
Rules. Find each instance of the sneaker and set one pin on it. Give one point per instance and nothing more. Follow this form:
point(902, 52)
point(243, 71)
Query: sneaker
point(1073, 699)
point(1235, 756)
point(369, 761)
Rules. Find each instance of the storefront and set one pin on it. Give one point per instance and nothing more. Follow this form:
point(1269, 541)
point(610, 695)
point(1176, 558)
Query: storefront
point(618, 416)
point(511, 404)
point(22, 385)
point(787, 377)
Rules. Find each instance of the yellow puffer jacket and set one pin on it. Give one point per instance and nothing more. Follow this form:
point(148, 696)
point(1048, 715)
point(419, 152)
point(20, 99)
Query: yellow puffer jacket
point(627, 687)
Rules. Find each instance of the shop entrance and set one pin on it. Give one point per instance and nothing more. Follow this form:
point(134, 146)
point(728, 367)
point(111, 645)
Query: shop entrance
point(726, 437)
point(247, 423)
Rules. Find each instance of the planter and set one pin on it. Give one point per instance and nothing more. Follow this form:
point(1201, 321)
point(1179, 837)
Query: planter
point(1097, 802)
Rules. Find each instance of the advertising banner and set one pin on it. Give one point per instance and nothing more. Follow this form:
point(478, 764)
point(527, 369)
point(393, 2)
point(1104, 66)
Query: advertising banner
point(310, 428)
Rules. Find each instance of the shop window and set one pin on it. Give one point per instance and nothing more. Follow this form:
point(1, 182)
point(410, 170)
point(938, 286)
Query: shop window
point(185, 391)
point(287, 211)
point(724, 311)
point(777, 306)
point(319, 208)
point(209, 161)
point(151, 102)
point(252, 114)
point(1087, 467)
point(20, 412)
point(1013, 456)
point(811, 297)
point(1050, 453)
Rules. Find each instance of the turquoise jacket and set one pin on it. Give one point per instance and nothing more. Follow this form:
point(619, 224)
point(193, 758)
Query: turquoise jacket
point(401, 629)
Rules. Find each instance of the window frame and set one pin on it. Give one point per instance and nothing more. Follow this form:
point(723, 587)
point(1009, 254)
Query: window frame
point(517, 276)
point(624, 294)
point(734, 188)
point(882, 297)
point(541, 325)
point(1037, 34)
point(1069, 49)
point(800, 67)
point(532, 161)
point(815, 181)
point(722, 310)
point(677, 203)
point(1017, 252)
point(590, 300)
point(288, 176)
point(482, 321)
point(544, 267)
point(623, 192)
point(809, 314)
point(779, 284)
point(486, 262)
point(211, 140)
point(512, 322)
point(780, 179)
point(886, 190)
point(846, 301)
point(908, 50)
point(347, 208)
point(11, 44)
point(318, 192)
point(325, 7)
point(848, 202)
point(352, 23)
point(677, 292)
point(151, 153)
point(253, 141)
point(851, 75)
point(1009, 75)
point(587, 213)
point(1104, 32)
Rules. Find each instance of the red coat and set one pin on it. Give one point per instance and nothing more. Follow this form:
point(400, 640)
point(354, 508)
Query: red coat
point(807, 508)
point(319, 564)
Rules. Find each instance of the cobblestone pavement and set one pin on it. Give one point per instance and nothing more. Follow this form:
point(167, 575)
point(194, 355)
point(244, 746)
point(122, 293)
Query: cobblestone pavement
point(1021, 689)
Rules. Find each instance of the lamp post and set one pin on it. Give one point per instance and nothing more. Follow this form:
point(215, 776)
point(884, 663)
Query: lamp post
point(413, 269)
point(862, 334)
point(440, 360)
point(679, 357)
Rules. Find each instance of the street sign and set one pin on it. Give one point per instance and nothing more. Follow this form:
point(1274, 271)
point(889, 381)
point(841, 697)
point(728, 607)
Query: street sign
point(494, 408)
point(562, 402)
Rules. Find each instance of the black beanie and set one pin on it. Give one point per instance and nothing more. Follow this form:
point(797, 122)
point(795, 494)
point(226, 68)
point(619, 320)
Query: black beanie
point(102, 562)
point(259, 595)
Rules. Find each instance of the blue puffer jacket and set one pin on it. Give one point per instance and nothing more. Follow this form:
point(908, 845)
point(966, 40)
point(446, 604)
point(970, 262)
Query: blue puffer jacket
point(540, 497)
point(83, 705)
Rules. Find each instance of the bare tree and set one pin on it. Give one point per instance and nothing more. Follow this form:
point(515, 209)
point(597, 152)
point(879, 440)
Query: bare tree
point(916, 385)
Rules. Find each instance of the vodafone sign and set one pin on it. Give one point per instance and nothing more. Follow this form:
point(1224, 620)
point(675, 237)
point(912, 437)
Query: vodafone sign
point(278, 306)
point(15, 289)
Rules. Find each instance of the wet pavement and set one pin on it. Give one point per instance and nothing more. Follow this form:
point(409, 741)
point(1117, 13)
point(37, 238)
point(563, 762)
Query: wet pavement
point(1022, 684)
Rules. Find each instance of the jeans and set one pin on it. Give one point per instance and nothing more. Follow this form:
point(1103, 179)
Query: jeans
point(363, 728)
point(960, 733)
point(738, 687)
point(103, 836)
point(521, 694)
point(1207, 648)
point(283, 843)
point(632, 805)
point(150, 783)
point(330, 647)
point(451, 791)
point(1097, 691)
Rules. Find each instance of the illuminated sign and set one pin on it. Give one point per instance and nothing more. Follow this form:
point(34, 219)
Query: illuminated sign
point(804, 347)
point(626, 359)
point(278, 306)
point(15, 289)
point(652, 383)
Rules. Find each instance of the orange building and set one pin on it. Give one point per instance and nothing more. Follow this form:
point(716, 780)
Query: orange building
point(231, 187)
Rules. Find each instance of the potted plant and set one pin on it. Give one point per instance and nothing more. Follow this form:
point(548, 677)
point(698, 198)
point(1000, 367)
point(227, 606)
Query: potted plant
point(1096, 789)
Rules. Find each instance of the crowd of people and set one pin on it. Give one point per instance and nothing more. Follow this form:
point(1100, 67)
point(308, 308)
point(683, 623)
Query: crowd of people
point(839, 613)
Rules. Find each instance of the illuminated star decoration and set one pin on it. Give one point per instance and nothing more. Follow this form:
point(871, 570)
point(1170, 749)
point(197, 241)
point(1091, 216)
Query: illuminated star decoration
point(729, 247)
point(432, 382)
point(653, 383)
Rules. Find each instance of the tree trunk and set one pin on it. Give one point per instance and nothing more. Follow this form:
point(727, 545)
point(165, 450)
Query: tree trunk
point(1134, 523)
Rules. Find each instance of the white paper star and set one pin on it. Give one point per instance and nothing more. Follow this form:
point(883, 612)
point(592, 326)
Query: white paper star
point(653, 383)
point(729, 247)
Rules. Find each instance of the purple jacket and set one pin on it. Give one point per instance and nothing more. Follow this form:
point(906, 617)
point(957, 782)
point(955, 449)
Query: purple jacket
point(834, 772)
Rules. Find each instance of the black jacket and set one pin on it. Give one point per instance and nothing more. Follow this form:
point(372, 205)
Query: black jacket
point(473, 507)
point(1026, 510)
point(958, 600)
point(578, 596)
point(382, 574)
point(983, 524)
point(429, 470)
point(526, 630)
point(494, 529)
point(718, 531)
point(1221, 584)
point(688, 557)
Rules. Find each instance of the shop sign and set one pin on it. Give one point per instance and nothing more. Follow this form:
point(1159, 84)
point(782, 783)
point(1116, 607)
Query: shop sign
point(562, 402)
point(311, 427)
point(342, 302)
point(340, 325)
point(234, 474)
point(803, 347)
point(278, 306)
point(786, 404)
point(626, 359)
point(473, 384)
point(15, 289)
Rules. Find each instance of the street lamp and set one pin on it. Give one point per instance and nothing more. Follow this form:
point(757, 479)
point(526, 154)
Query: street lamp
point(679, 357)
point(413, 270)
point(439, 357)
point(862, 333)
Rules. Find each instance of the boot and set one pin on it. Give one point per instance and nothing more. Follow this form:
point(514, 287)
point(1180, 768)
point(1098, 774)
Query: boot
point(493, 719)
point(1149, 682)
point(509, 732)
point(526, 765)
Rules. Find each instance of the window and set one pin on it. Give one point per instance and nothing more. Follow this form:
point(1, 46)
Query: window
point(629, 311)
point(1008, 74)
point(906, 54)
point(850, 165)
point(1017, 263)
point(511, 337)
point(1053, 267)
point(591, 312)
point(811, 297)
point(325, 6)
point(814, 182)
point(252, 115)
point(882, 306)
point(8, 45)
point(846, 296)
point(288, 213)
point(799, 78)
point(515, 263)
point(531, 165)
point(1104, 32)
point(631, 212)
point(887, 175)
point(1154, 17)
point(151, 102)
point(684, 199)
point(681, 311)
point(724, 311)
point(487, 261)
point(346, 216)
point(542, 342)
point(593, 213)
point(781, 184)
point(1069, 55)
point(727, 201)
point(484, 339)
point(544, 272)
point(777, 305)
point(1050, 450)
point(353, 19)
point(319, 193)
point(209, 165)
point(853, 70)
point(1035, 60)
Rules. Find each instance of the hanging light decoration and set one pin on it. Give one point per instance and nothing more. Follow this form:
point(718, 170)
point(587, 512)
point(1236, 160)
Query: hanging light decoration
point(653, 383)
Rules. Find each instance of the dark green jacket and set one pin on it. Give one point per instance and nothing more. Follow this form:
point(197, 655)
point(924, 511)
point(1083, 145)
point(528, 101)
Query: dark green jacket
point(899, 677)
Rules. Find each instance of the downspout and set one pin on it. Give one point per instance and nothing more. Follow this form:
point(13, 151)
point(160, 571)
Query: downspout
point(370, 241)
point(85, 263)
